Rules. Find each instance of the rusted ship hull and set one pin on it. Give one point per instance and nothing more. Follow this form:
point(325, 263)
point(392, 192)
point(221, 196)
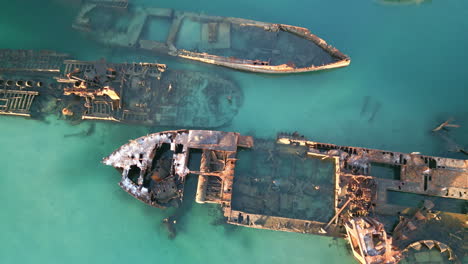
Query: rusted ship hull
point(230, 42)
point(38, 83)
point(297, 185)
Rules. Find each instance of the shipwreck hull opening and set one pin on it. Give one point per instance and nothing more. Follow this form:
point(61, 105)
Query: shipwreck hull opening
point(425, 255)
point(249, 42)
point(385, 170)
point(108, 18)
point(156, 29)
point(133, 173)
point(282, 181)
point(194, 159)
point(414, 200)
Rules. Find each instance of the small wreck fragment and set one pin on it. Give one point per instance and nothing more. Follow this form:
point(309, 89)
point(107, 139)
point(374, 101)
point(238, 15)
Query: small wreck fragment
point(38, 83)
point(231, 42)
point(369, 241)
point(296, 185)
point(443, 132)
point(445, 124)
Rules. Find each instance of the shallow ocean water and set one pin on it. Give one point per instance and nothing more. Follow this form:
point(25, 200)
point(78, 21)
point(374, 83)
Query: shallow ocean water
point(60, 204)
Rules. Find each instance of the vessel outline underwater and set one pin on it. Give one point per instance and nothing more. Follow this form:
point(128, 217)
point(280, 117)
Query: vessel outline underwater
point(236, 43)
point(38, 83)
point(307, 187)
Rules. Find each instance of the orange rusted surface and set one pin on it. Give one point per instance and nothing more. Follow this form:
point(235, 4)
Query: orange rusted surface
point(369, 241)
point(264, 66)
point(258, 47)
point(303, 186)
point(38, 83)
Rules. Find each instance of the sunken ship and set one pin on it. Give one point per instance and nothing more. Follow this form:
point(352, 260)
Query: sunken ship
point(231, 42)
point(390, 206)
point(38, 83)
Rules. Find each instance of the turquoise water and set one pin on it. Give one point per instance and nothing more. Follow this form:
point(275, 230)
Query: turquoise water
point(60, 205)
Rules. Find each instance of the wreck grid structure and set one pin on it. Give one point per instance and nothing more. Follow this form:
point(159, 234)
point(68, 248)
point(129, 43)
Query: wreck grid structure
point(31, 71)
point(154, 167)
point(296, 185)
point(37, 83)
point(231, 42)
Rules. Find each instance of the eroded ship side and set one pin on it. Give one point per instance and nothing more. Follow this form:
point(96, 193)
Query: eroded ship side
point(296, 185)
point(38, 83)
point(154, 167)
point(231, 42)
point(23, 74)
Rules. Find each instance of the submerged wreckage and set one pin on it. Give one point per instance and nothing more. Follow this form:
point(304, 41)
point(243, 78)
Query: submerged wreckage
point(38, 83)
point(231, 42)
point(309, 187)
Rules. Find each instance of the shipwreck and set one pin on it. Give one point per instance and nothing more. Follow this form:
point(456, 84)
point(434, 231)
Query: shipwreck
point(231, 42)
point(38, 83)
point(389, 205)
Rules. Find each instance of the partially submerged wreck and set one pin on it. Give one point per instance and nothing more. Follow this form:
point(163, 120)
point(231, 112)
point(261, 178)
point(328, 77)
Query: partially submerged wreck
point(38, 83)
point(231, 42)
point(296, 185)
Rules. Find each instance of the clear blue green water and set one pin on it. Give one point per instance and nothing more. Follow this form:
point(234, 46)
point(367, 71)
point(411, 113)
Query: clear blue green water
point(60, 205)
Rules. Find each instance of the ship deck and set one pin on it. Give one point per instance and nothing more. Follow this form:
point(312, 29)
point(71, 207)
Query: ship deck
point(231, 42)
point(37, 83)
point(297, 185)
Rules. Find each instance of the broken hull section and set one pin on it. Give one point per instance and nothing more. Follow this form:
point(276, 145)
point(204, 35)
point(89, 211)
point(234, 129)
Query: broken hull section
point(37, 83)
point(297, 185)
point(154, 167)
point(23, 74)
point(231, 42)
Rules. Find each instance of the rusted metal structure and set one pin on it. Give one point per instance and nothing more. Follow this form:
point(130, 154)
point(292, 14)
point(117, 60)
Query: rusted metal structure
point(37, 83)
point(154, 167)
point(31, 71)
point(369, 241)
point(296, 185)
point(231, 42)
